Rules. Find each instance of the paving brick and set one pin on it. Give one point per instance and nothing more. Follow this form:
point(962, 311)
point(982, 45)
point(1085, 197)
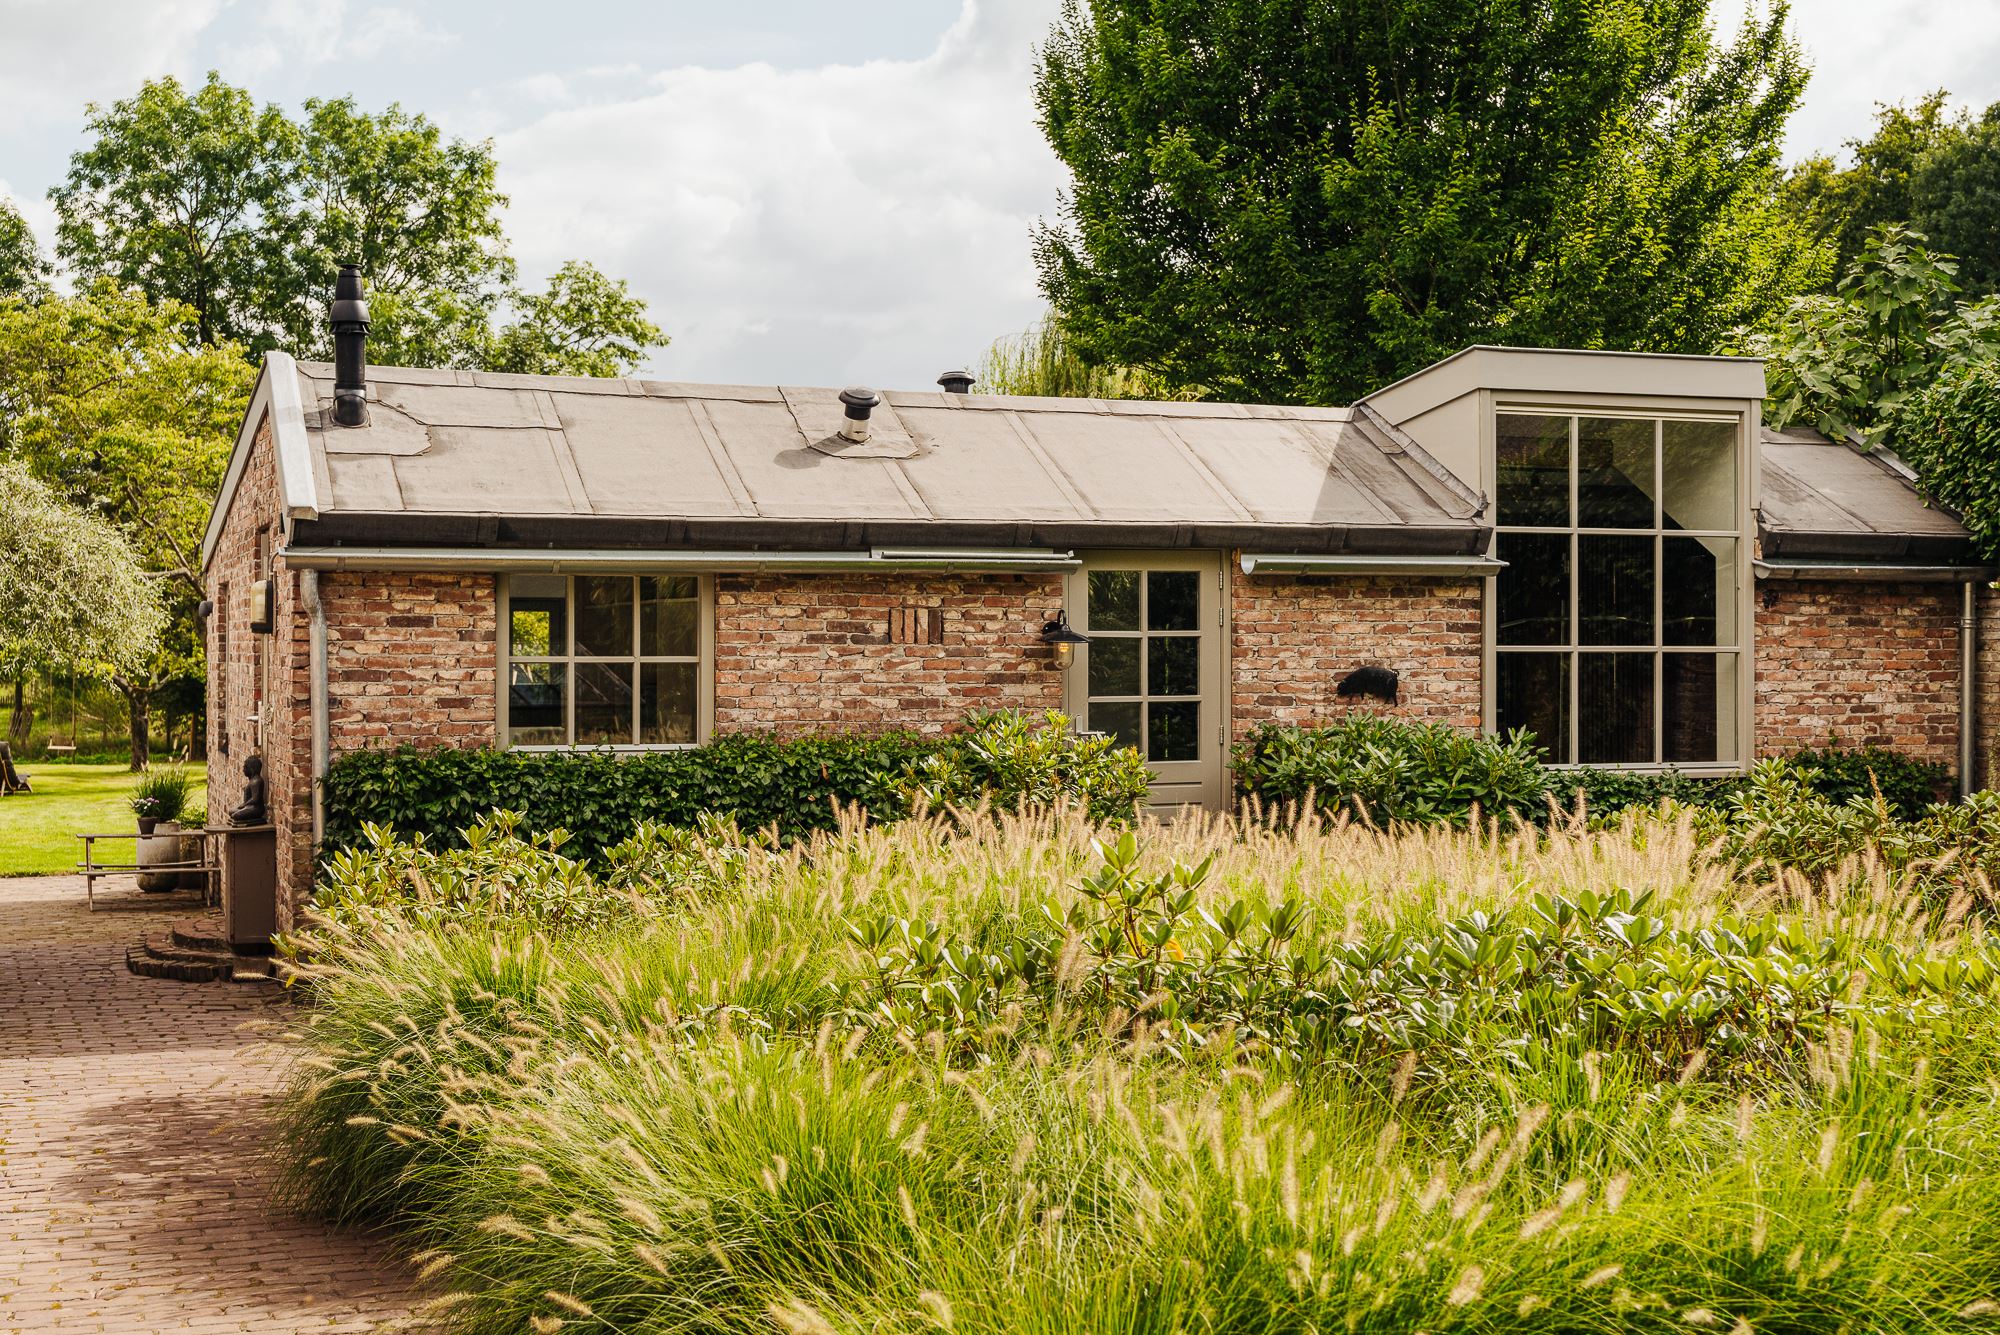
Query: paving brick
point(134, 1181)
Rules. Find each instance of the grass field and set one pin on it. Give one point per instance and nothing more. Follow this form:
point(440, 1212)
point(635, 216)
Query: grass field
point(38, 830)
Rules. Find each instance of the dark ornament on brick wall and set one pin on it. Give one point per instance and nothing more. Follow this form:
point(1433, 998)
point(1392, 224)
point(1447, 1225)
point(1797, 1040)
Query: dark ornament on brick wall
point(1379, 682)
point(252, 810)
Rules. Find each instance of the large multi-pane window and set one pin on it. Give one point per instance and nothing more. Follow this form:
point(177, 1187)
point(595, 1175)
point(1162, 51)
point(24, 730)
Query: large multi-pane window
point(603, 660)
point(1616, 625)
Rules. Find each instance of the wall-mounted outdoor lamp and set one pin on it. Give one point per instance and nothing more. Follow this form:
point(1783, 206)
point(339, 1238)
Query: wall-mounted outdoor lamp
point(1064, 638)
point(263, 607)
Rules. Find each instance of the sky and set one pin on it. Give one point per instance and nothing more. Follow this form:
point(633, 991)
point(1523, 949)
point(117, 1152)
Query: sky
point(806, 192)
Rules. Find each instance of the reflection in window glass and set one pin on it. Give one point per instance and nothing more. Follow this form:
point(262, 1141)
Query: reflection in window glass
point(1533, 589)
point(669, 616)
point(1614, 709)
point(1614, 472)
point(1120, 718)
point(1698, 591)
point(1173, 730)
point(1532, 482)
point(1114, 599)
point(1699, 460)
point(1614, 590)
point(603, 704)
point(1698, 700)
point(604, 615)
point(1532, 692)
point(535, 704)
point(1114, 666)
point(1173, 600)
point(538, 619)
point(1173, 665)
point(666, 704)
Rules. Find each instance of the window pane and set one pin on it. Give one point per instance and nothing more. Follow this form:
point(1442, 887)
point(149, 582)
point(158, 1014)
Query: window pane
point(1532, 481)
point(603, 704)
point(1614, 709)
point(1173, 665)
point(1534, 589)
point(1174, 731)
point(1114, 599)
point(1114, 666)
point(1699, 706)
point(1533, 693)
point(666, 703)
point(669, 615)
point(1173, 600)
point(1699, 459)
point(1614, 590)
point(538, 622)
point(535, 704)
point(1698, 590)
point(1614, 473)
point(604, 616)
point(1119, 718)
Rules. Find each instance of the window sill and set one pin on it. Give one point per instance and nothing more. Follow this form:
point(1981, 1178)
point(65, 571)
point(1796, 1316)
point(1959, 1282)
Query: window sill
point(622, 750)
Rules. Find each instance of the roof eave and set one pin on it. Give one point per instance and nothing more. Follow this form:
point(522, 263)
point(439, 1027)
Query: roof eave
point(276, 395)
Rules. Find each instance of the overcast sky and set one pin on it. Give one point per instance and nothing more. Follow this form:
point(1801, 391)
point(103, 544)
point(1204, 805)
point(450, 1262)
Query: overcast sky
point(806, 192)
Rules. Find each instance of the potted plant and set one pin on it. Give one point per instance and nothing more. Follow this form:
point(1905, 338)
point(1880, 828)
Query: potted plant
point(159, 800)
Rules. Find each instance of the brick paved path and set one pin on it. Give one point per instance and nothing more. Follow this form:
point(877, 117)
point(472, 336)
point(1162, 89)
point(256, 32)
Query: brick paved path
point(133, 1197)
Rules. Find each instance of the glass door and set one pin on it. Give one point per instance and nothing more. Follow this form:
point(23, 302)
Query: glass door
point(1152, 674)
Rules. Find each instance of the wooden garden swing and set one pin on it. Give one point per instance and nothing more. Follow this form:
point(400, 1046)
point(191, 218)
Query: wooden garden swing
point(60, 744)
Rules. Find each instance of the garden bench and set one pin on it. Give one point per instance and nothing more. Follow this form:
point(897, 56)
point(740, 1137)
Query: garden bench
point(93, 870)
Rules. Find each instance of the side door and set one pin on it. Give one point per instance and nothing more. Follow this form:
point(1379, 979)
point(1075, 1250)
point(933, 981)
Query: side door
point(1153, 674)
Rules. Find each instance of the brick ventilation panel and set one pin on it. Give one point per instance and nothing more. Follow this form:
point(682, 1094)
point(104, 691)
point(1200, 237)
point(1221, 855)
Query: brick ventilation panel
point(1858, 663)
point(805, 653)
point(1294, 638)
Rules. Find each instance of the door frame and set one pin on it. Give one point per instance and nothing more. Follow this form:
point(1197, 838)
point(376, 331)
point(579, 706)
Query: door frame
point(1211, 784)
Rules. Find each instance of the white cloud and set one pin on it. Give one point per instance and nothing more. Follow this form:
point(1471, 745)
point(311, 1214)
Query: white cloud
point(299, 35)
point(53, 60)
point(851, 222)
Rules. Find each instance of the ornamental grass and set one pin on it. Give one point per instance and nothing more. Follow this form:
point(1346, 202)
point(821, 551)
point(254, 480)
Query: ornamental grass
point(1010, 1073)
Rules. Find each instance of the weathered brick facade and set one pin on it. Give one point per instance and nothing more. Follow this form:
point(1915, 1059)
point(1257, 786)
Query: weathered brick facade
point(1294, 636)
point(412, 659)
point(1858, 663)
point(1986, 743)
point(803, 653)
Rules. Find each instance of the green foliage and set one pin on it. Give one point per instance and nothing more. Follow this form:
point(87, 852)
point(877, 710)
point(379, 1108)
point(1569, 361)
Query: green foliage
point(1849, 363)
point(495, 871)
point(1042, 361)
point(23, 270)
point(162, 794)
point(71, 590)
point(243, 216)
point(1950, 433)
point(1293, 202)
point(1006, 759)
point(1957, 201)
point(1907, 785)
point(1605, 792)
point(795, 786)
point(1389, 771)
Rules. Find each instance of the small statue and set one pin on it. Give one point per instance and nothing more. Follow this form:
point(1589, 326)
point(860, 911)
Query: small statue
point(252, 810)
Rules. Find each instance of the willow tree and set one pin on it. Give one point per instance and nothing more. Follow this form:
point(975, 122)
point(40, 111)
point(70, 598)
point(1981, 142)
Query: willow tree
point(1301, 200)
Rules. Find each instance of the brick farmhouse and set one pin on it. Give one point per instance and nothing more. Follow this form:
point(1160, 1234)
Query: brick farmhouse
point(1609, 549)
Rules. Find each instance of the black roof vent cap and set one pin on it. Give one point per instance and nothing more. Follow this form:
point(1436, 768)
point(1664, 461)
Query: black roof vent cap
point(859, 401)
point(350, 348)
point(957, 382)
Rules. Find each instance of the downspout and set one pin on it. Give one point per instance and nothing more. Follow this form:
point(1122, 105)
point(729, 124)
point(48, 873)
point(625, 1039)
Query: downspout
point(316, 670)
point(1968, 688)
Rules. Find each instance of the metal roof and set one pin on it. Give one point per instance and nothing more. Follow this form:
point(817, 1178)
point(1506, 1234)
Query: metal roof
point(460, 457)
point(1820, 498)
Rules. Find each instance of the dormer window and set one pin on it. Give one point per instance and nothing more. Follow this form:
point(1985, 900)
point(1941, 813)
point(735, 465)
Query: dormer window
point(1617, 621)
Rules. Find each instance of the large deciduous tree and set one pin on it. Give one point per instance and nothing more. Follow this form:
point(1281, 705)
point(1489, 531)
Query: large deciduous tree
point(1303, 199)
point(23, 270)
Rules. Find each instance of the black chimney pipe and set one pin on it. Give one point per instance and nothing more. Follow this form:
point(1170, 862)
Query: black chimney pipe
point(350, 349)
point(957, 382)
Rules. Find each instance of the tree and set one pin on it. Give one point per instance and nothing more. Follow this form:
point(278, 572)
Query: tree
point(1955, 198)
point(1950, 433)
point(1042, 361)
point(23, 271)
point(111, 401)
point(1303, 199)
point(1848, 363)
point(1847, 204)
point(244, 216)
point(72, 593)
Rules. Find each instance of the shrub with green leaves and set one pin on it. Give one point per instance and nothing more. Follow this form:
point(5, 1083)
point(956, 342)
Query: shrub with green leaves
point(1390, 771)
point(163, 794)
point(1006, 760)
point(1950, 433)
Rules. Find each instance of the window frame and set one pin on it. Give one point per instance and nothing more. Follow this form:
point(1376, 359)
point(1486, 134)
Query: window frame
point(703, 660)
point(1576, 408)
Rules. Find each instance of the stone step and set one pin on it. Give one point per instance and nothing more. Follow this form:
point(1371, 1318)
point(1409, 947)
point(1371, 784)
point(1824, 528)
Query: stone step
point(189, 952)
point(203, 933)
point(178, 970)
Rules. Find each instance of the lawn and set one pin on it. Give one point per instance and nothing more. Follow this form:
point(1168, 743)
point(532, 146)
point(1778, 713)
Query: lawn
point(38, 830)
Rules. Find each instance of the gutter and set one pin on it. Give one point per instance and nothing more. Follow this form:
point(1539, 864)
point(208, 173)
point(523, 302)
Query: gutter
point(1968, 689)
point(1270, 563)
point(1865, 570)
point(316, 672)
point(613, 560)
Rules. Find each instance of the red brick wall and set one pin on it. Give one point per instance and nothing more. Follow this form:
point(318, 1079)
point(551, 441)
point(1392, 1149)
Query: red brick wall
point(1860, 663)
point(1986, 744)
point(1294, 636)
point(412, 659)
point(799, 653)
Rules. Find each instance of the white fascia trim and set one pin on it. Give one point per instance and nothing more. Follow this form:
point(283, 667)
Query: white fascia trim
point(555, 562)
point(277, 396)
point(1254, 563)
